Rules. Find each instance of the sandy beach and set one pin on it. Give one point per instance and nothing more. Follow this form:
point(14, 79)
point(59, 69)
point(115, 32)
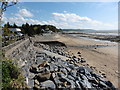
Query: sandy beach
point(104, 59)
point(100, 56)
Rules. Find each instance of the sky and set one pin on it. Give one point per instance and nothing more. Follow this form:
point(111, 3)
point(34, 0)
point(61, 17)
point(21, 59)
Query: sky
point(65, 15)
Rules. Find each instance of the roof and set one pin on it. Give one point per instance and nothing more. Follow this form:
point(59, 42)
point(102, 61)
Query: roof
point(15, 29)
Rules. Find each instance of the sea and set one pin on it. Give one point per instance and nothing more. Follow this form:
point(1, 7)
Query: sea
point(76, 34)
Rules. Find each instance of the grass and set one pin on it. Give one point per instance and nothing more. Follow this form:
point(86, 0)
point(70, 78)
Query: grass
point(11, 76)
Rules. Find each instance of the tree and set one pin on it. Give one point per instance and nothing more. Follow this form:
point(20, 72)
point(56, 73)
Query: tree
point(14, 25)
point(7, 25)
point(5, 4)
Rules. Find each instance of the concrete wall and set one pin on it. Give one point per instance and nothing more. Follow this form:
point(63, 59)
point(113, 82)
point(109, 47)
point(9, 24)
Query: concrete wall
point(17, 47)
point(6, 48)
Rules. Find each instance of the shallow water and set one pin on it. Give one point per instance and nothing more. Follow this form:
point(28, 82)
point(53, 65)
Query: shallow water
point(86, 38)
point(114, 34)
point(92, 46)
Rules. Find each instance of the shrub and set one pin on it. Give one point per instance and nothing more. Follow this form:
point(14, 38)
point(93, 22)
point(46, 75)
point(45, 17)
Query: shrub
point(11, 75)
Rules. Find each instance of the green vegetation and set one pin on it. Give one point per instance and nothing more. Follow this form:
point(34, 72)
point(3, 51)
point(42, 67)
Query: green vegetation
point(26, 29)
point(11, 76)
point(31, 30)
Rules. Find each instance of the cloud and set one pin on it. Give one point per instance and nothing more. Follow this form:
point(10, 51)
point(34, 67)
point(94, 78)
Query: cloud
point(71, 17)
point(75, 21)
point(24, 13)
point(60, 20)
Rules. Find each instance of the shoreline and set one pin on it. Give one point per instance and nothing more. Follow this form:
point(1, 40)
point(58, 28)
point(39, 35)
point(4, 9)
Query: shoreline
point(112, 38)
point(100, 58)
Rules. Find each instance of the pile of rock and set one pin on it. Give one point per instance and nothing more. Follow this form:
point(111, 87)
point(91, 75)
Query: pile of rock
point(53, 73)
point(49, 71)
point(61, 50)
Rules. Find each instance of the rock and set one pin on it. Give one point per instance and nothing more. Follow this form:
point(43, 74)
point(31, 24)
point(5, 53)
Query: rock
point(57, 82)
point(70, 77)
point(44, 64)
point(85, 82)
point(74, 57)
point(61, 75)
point(64, 71)
point(93, 80)
point(81, 70)
point(52, 69)
point(78, 53)
point(43, 70)
point(109, 84)
point(71, 66)
point(102, 85)
point(53, 75)
point(94, 85)
point(48, 84)
point(36, 87)
point(52, 72)
point(71, 62)
point(56, 68)
point(43, 76)
point(36, 82)
point(33, 69)
point(103, 74)
point(95, 75)
point(69, 83)
point(82, 60)
point(68, 69)
point(78, 85)
point(74, 73)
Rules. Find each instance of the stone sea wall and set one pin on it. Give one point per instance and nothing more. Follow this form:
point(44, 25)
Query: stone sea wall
point(16, 48)
point(11, 45)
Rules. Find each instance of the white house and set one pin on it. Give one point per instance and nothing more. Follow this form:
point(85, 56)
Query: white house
point(17, 30)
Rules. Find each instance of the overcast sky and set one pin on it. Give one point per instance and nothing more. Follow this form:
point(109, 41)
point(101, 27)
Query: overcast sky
point(67, 15)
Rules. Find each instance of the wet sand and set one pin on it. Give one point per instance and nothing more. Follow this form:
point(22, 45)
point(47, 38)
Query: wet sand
point(103, 59)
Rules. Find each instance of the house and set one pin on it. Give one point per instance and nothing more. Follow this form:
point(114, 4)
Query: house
point(16, 30)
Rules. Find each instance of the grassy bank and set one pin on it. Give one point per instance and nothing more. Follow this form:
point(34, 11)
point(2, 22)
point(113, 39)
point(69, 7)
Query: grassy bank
point(11, 76)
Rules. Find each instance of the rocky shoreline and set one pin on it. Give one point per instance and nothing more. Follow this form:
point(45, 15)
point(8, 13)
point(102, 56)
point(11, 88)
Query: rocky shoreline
point(50, 64)
point(43, 71)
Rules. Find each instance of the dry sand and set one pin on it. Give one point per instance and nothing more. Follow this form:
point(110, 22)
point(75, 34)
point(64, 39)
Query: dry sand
point(104, 59)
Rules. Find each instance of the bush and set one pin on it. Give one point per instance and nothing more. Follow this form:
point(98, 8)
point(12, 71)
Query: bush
point(10, 75)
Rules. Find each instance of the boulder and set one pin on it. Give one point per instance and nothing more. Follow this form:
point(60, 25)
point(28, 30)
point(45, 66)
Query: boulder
point(81, 70)
point(33, 69)
point(43, 76)
point(48, 84)
point(64, 71)
point(60, 75)
point(78, 53)
point(70, 77)
point(78, 85)
point(36, 87)
point(36, 82)
point(83, 61)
